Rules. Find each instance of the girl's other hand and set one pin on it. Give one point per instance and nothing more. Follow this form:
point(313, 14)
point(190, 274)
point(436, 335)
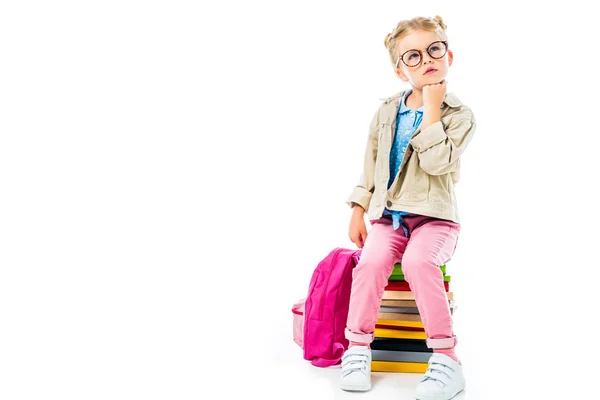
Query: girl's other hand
point(358, 230)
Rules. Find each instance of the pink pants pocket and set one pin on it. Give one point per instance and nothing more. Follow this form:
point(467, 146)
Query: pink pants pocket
point(298, 312)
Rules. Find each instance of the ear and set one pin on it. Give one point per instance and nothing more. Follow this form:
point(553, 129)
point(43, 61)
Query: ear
point(401, 74)
point(450, 57)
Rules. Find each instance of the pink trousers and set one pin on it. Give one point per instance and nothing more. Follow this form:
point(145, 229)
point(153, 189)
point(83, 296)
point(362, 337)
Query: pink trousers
point(430, 243)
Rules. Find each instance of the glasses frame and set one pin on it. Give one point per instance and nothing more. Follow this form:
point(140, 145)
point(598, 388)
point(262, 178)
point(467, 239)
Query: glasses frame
point(401, 56)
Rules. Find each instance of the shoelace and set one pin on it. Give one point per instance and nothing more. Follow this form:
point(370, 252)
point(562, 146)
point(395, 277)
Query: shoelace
point(354, 362)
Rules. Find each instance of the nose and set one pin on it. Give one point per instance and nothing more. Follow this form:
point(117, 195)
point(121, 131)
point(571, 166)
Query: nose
point(426, 57)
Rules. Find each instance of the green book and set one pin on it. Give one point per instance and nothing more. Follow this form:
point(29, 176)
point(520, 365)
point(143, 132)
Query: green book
point(401, 278)
point(398, 269)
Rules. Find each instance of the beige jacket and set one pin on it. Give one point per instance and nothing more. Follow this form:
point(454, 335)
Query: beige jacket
point(430, 167)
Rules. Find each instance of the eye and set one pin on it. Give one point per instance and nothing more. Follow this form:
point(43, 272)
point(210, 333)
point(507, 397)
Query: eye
point(413, 55)
point(435, 48)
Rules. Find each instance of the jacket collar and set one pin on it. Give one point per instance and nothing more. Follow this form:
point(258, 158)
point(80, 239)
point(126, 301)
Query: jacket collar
point(403, 107)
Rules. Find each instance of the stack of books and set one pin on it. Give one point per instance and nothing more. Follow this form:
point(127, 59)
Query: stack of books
point(399, 343)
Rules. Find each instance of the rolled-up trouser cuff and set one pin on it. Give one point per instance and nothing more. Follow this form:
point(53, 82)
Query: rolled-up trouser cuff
point(443, 343)
point(358, 337)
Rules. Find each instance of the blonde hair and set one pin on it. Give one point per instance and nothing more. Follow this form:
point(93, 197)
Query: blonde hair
point(408, 26)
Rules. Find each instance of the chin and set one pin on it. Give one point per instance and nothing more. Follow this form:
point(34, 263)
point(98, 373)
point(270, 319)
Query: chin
point(430, 82)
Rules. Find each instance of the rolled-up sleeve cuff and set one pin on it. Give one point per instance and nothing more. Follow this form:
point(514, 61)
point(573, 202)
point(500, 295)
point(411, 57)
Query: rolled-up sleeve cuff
point(429, 137)
point(360, 196)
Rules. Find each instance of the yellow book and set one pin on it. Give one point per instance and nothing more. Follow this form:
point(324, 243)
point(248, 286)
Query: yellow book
point(395, 322)
point(394, 366)
point(399, 334)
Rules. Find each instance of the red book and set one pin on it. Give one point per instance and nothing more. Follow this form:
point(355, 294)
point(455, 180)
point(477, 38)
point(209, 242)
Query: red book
point(404, 286)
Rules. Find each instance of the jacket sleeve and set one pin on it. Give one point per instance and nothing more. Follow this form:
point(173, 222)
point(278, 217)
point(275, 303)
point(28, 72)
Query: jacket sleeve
point(439, 150)
point(363, 191)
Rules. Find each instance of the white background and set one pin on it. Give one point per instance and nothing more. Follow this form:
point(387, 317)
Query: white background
point(171, 173)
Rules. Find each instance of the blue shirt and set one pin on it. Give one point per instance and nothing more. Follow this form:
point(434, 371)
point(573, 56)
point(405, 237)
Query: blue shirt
point(407, 123)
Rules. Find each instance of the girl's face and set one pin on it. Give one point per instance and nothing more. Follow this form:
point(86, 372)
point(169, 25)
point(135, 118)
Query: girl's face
point(425, 68)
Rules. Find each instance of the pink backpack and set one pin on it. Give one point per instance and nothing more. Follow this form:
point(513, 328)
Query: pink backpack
point(320, 318)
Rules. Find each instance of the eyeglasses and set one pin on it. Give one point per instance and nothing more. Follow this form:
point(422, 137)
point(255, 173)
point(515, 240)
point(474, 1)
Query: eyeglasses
point(412, 58)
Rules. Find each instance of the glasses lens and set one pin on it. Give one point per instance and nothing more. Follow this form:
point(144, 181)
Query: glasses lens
point(437, 50)
point(411, 58)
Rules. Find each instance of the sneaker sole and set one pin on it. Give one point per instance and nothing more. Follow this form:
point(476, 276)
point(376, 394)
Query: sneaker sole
point(438, 397)
point(355, 388)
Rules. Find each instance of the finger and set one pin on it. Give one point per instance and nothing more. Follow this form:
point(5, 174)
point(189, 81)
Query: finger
point(364, 237)
point(358, 240)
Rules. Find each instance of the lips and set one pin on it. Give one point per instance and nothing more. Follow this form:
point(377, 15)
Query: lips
point(430, 71)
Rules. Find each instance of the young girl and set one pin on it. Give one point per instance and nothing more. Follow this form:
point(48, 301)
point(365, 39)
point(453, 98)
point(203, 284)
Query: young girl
point(411, 164)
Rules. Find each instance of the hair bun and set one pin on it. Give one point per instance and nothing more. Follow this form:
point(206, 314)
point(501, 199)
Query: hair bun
point(389, 38)
point(386, 41)
point(439, 20)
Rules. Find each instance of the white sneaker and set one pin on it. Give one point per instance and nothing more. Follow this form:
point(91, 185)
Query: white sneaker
point(356, 369)
point(443, 379)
